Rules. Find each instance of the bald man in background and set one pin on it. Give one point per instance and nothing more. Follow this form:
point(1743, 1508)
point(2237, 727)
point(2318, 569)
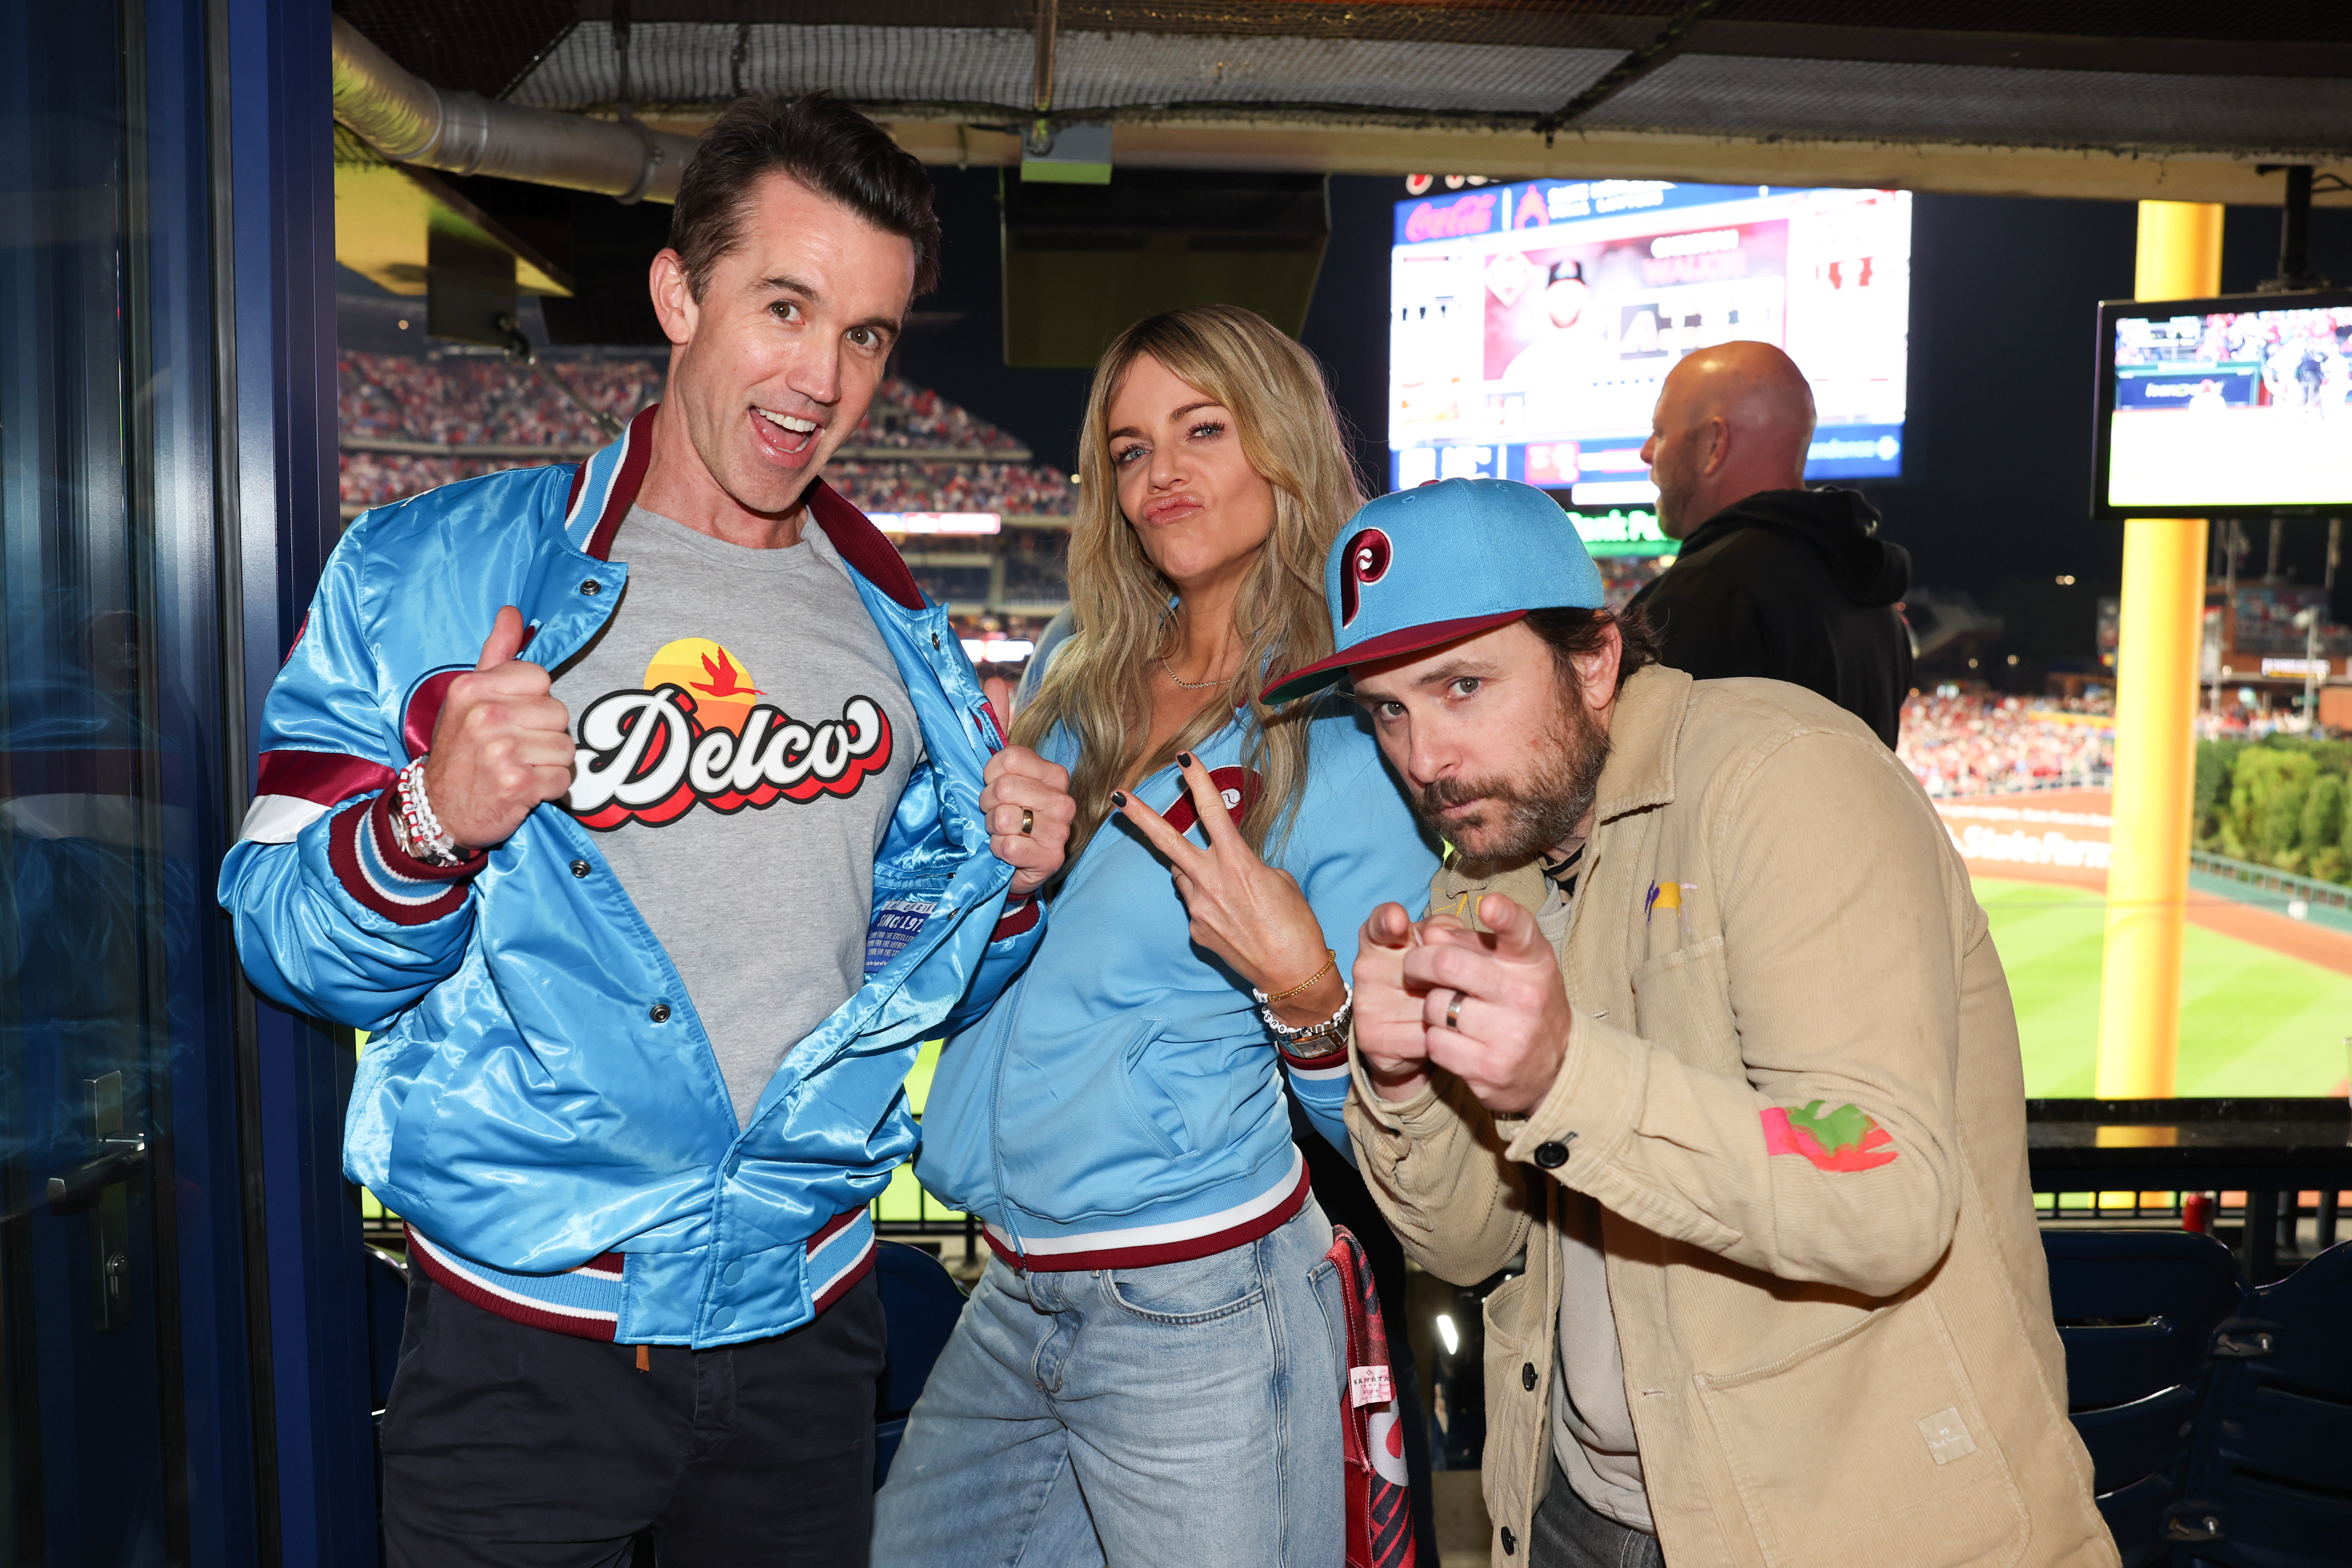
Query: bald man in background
point(1774, 579)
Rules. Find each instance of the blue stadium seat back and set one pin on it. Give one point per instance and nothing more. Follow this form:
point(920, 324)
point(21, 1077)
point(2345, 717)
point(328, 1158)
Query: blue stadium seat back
point(922, 1301)
point(2135, 1516)
point(2270, 1480)
point(2130, 1443)
point(2136, 1308)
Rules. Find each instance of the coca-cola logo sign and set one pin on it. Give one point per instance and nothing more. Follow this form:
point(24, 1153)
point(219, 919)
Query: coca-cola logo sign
point(1473, 213)
point(646, 756)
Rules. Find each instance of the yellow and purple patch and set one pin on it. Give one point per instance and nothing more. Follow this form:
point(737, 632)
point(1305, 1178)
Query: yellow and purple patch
point(1845, 1139)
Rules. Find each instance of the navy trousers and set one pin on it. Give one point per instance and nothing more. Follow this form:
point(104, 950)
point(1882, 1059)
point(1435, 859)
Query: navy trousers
point(511, 1446)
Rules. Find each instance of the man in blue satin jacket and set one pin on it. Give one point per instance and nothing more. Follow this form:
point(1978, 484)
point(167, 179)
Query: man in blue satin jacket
point(647, 927)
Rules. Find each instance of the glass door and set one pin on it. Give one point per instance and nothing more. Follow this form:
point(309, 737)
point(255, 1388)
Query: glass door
point(112, 980)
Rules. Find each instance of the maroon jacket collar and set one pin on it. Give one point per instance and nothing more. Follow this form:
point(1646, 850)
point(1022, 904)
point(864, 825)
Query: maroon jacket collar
point(860, 543)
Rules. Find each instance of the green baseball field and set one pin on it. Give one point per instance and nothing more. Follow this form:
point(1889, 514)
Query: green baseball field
point(2252, 1021)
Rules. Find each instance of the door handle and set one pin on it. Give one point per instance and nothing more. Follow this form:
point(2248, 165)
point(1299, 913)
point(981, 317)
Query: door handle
point(99, 1187)
point(118, 1158)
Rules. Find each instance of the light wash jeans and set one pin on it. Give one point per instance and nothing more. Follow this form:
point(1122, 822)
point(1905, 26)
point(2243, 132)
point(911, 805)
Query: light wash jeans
point(1184, 1413)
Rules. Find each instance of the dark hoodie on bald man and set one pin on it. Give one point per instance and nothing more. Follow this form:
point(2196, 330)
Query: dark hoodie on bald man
point(1794, 586)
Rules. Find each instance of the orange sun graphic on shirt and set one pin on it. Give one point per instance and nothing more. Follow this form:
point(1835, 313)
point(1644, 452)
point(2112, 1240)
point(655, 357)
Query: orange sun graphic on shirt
point(721, 689)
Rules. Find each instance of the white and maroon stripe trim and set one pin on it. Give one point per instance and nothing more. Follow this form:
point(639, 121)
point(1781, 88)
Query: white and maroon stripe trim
point(604, 487)
point(278, 818)
point(384, 879)
point(1334, 1068)
point(1177, 1241)
point(294, 789)
point(1330, 1064)
point(473, 1283)
point(839, 1256)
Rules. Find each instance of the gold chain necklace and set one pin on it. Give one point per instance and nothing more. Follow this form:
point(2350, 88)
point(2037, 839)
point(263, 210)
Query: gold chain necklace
point(1189, 685)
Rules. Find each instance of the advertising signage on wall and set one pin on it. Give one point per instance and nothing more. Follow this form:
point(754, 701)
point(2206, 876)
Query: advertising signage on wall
point(1531, 324)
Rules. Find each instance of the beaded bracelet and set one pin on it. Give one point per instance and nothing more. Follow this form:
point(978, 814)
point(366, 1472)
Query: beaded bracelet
point(1334, 1027)
point(419, 831)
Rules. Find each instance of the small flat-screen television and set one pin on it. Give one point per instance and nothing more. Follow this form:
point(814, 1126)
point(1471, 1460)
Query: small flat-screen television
point(1531, 324)
point(2226, 407)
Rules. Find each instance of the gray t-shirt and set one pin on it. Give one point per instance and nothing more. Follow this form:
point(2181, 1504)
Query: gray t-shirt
point(743, 739)
point(1591, 1426)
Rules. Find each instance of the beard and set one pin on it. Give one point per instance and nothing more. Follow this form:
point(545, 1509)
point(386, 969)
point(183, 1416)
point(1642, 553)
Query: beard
point(1518, 819)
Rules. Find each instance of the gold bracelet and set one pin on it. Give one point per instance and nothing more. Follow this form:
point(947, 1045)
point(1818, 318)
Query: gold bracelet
point(1331, 963)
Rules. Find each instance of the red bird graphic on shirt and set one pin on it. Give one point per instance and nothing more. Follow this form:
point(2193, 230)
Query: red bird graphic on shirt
point(726, 681)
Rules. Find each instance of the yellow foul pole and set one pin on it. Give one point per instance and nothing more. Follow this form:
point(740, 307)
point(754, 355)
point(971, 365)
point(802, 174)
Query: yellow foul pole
point(2156, 709)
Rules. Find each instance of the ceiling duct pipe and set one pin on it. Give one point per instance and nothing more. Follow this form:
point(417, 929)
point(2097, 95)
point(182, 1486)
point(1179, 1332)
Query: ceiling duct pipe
point(410, 121)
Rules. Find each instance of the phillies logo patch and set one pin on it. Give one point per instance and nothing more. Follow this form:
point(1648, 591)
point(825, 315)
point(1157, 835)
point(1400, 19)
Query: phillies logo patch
point(1237, 786)
point(696, 733)
point(1368, 554)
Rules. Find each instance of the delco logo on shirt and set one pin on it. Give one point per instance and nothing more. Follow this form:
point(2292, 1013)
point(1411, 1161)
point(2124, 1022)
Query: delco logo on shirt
point(649, 755)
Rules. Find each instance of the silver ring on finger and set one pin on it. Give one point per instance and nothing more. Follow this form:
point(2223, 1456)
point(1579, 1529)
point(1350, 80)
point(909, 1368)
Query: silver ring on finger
point(1028, 821)
point(1453, 1011)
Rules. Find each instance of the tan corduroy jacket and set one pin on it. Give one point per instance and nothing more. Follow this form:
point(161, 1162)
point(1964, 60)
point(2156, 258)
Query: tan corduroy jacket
point(1835, 1323)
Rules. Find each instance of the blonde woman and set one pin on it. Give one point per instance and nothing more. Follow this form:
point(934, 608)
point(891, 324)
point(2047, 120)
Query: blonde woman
point(1156, 1352)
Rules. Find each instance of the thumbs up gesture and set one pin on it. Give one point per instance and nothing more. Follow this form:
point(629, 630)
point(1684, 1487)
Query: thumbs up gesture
point(501, 745)
point(1493, 1010)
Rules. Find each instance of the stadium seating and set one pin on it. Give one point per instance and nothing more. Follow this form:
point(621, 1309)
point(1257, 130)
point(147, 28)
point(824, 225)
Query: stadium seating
point(2270, 1473)
point(922, 1301)
point(1972, 743)
point(2136, 1312)
point(463, 399)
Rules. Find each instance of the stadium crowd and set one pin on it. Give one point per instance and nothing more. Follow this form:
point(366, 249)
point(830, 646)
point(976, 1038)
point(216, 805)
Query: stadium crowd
point(1973, 744)
point(916, 417)
point(1005, 489)
point(374, 479)
point(477, 400)
point(486, 400)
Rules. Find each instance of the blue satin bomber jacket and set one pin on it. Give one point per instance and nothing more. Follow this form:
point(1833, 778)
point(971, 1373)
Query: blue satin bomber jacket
point(538, 1099)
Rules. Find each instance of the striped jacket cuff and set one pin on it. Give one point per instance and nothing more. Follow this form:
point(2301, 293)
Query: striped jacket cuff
point(384, 879)
point(1332, 1063)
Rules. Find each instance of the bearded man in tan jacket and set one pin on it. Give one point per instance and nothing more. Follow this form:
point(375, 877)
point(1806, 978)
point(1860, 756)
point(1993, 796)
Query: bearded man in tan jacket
point(1704, 1022)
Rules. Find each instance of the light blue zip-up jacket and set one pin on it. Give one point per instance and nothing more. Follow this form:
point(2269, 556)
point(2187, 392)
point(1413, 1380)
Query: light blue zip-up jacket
point(539, 1095)
point(1119, 1105)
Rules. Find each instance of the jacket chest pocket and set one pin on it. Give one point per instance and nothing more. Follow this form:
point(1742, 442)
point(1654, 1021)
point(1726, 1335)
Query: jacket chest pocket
point(1682, 1002)
point(1868, 1447)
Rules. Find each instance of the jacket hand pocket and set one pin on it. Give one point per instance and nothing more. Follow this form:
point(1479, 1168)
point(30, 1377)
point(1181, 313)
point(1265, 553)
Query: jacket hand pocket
point(1158, 1113)
point(1868, 1447)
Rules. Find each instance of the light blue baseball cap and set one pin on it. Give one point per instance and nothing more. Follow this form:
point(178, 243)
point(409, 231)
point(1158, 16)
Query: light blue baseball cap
point(1422, 567)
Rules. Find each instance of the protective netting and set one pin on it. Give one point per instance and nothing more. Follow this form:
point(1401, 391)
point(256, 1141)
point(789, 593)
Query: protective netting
point(2065, 73)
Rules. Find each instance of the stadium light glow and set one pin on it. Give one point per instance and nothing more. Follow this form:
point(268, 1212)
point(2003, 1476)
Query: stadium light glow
point(959, 522)
point(997, 651)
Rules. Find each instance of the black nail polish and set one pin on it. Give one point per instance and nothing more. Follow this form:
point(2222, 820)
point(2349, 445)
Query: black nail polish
point(1118, 797)
point(1184, 758)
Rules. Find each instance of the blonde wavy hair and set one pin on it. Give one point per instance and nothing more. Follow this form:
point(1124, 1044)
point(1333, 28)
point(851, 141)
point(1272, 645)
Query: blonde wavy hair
point(1098, 685)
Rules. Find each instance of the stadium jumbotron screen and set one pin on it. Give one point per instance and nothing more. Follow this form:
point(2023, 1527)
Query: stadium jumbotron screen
point(2211, 408)
point(1531, 324)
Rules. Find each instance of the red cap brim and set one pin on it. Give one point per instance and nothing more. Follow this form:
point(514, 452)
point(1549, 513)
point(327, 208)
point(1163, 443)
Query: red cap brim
point(1389, 644)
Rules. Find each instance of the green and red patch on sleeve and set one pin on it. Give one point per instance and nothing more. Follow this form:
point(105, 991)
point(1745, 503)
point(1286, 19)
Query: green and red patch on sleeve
point(1845, 1139)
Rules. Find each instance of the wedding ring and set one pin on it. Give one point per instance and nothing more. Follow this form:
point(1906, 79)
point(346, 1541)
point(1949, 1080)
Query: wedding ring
point(1453, 1011)
point(1028, 820)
